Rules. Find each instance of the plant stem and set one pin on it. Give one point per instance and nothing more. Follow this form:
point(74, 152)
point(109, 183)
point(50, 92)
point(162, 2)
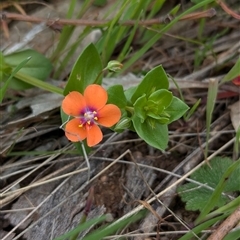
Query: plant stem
point(38, 83)
point(130, 109)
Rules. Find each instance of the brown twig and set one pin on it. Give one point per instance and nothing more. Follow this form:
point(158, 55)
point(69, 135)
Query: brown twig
point(226, 226)
point(83, 22)
point(228, 10)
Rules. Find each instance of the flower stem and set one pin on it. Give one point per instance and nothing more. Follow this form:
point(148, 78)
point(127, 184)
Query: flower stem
point(99, 75)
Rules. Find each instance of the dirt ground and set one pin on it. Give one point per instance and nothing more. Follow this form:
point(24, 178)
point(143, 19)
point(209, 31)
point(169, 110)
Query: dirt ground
point(44, 185)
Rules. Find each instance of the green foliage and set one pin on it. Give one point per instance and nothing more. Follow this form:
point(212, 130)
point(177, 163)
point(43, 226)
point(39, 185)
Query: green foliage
point(197, 198)
point(114, 34)
point(114, 227)
point(211, 100)
point(152, 132)
point(38, 67)
point(233, 73)
point(196, 1)
point(154, 107)
point(192, 110)
point(153, 39)
point(202, 226)
point(213, 218)
point(154, 80)
point(147, 108)
point(222, 176)
point(87, 70)
point(100, 3)
point(233, 235)
point(116, 96)
point(4, 88)
point(82, 227)
point(157, 5)
point(176, 109)
point(104, 231)
point(65, 36)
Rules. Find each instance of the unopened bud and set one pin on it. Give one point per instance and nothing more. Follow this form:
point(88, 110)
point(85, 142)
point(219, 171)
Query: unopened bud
point(114, 66)
point(124, 123)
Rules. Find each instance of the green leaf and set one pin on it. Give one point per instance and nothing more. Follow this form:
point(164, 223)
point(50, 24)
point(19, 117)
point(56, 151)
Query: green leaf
point(139, 108)
point(175, 10)
point(152, 132)
point(82, 227)
point(153, 110)
point(129, 93)
point(233, 73)
point(162, 98)
point(38, 67)
point(176, 109)
point(197, 198)
point(105, 231)
point(226, 208)
point(2, 65)
point(196, 1)
point(162, 119)
point(87, 70)
point(233, 235)
point(201, 227)
point(211, 101)
point(116, 96)
point(153, 106)
point(192, 110)
point(220, 188)
point(100, 3)
point(154, 80)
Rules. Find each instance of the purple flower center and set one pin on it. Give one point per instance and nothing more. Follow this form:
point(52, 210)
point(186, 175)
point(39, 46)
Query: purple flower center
point(88, 116)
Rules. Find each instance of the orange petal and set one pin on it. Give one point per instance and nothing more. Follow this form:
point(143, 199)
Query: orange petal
point(73, 103)
point(95, 96)
point(73, 132)
point(109, 115)
point(94, 135)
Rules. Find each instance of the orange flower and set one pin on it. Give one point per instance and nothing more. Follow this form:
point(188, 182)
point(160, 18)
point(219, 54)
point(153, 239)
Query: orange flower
point(89, 110)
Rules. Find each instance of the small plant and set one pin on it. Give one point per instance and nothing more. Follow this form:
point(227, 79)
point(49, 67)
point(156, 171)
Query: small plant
point(212, 193)
point(146, 109)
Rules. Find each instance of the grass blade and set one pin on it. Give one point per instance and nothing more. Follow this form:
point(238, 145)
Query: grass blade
point(15, 70)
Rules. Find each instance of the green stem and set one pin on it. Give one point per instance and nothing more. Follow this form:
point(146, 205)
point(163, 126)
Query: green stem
point(99, 75)
point(129, 109)
point(38, 83)
point(227, 208)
